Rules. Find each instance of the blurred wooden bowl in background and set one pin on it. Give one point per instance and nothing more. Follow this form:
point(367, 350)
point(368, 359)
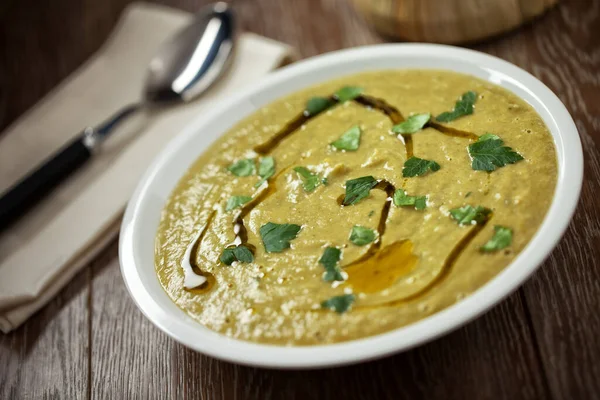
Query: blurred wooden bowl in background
point(448, 21)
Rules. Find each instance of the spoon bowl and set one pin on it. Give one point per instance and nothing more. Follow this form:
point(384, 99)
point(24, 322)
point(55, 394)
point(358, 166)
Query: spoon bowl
point(191, 61)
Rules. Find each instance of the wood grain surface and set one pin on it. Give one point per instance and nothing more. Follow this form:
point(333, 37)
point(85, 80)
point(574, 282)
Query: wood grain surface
point(92, 342)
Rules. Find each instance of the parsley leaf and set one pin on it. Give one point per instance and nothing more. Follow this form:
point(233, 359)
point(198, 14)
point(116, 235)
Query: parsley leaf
point(330, 258)
point(464, 106)
point(316, 105)
point(339, 304)
point(402, 199)
point(309, 180)
point(242, 167)
point(470, 215)
point(266, 169)
point(489, 153)
point(415, 166)
point(348, 93)
point(502, 238)
point(413, 124)
point(420, 203)
point(487, 136)
point(276, 237)
point(361, 236)
point(240, 253)
point(236, 201)
point(357, 189)
point(349, 140)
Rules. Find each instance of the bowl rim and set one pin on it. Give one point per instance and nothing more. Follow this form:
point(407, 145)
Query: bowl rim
point(193, 335)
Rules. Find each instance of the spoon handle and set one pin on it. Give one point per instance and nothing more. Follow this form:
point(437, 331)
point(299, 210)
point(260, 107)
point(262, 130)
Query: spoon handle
point(38, 183)
point(33, 187)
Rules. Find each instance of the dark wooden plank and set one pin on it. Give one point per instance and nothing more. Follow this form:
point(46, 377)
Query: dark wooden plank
point(564, 297)
point(129, 355)
point(47, 357)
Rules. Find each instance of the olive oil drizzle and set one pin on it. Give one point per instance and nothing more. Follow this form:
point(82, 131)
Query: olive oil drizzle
point(444, 271)
point(210, 278)
point(395, 117)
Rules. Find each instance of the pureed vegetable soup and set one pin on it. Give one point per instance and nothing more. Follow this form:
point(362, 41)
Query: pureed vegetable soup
point(355, 207)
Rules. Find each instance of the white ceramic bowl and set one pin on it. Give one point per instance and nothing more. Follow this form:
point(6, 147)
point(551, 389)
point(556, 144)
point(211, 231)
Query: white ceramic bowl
point(136, 249)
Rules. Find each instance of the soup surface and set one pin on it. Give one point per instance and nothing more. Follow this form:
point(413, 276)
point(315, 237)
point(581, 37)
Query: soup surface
point(355, 207)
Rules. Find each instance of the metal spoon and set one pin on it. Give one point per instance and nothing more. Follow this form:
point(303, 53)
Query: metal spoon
point(183, 68)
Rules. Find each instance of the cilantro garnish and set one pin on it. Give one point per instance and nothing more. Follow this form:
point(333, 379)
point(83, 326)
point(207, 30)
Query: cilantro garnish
point(339, 304)
point(349, 141)
point(489, 153)
point(415, 166)
point(240, 253)
point(502, 238)
point(464, 106)
point(266, 169)
point(330, 258)
point(361, 236)
point(402, 199)
point(242, 167)
point(236, 201)
point(348, 93)
point(309, 180)
point(470, 215)
point(316, 105)
point(276, 237)
point(357, 189)
point(413, 124)
point(487, 136)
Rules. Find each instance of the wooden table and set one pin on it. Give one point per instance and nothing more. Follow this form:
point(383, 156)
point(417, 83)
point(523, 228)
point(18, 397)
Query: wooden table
point(543, 342)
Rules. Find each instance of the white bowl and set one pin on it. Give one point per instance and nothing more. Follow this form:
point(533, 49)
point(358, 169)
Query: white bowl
point(136, 248)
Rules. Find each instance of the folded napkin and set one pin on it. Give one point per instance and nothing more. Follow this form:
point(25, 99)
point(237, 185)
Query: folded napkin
point(44, 250)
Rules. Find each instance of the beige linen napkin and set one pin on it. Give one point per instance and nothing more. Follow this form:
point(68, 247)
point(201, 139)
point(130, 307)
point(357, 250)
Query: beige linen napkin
point(44, 250)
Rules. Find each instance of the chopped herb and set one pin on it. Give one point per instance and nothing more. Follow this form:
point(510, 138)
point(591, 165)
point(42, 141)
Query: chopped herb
point(470, 215)
point(371, 213)
point(276, 237)
point(357, 189)
point(242, 167)
point(266, 169)
point(309, 180)
point(487, 136)
point(316, 105)
point(468, 194)
point(502, 238)
point(402, 199)
point(330, 258)
point(236, 201)
point(325, 181)
point(240, 253)
point(339, 304)
point(413, 124)
point(415, 166)
point(464, 106)
point(349, 141)
point(489, 153)
point(421, 203)
point(361, 236)
point(348, 93)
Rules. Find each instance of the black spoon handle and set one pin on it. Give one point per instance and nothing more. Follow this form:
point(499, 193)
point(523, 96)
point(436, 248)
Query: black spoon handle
point(29, 190)
point(25, 193)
